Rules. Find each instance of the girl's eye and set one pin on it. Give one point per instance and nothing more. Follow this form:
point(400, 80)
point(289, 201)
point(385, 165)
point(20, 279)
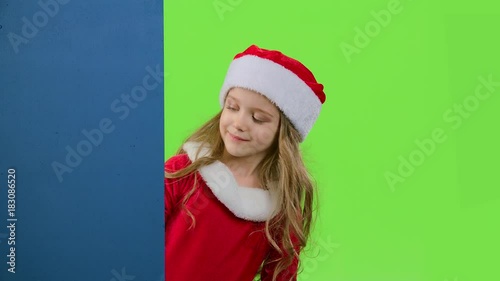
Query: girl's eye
point(253, 117)
point(257, 120)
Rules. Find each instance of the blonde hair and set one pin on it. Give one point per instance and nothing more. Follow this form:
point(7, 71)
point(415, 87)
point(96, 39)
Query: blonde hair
point(295, 188)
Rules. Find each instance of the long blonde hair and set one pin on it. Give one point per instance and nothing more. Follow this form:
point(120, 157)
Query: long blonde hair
point(295, 187)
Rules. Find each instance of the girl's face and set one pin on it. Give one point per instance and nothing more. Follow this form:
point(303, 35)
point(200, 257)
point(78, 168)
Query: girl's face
point(248, 124)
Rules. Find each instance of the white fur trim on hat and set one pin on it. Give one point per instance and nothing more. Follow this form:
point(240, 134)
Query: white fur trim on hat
point(280, 85)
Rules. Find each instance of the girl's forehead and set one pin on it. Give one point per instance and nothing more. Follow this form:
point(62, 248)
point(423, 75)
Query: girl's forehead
point(244, 95)
point(252, 99)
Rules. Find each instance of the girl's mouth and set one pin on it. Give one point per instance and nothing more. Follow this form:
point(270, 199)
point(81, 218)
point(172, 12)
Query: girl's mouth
point(236, 138)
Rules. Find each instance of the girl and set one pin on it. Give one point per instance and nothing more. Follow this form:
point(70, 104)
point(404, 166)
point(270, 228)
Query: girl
point(238, 199)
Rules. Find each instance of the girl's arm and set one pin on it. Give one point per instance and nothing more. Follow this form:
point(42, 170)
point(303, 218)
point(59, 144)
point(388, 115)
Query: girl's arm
point(174, 188)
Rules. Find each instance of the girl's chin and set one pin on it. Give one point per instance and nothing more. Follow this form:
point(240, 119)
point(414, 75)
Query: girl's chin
point(235, 152)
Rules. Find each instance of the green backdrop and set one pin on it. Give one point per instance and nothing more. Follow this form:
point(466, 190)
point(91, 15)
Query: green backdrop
point(405, 151)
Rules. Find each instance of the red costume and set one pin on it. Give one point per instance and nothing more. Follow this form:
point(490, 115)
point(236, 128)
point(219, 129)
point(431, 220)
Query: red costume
point(228, 242)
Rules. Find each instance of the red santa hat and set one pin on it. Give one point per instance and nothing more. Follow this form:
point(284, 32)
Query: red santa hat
point(283, 80)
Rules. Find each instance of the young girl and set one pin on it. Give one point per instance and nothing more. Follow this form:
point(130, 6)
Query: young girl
point(238, 199)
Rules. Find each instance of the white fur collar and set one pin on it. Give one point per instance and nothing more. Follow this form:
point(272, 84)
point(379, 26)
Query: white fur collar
point(249, 203)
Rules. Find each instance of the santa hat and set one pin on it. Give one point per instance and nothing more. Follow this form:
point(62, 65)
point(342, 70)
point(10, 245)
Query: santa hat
point(283, 80)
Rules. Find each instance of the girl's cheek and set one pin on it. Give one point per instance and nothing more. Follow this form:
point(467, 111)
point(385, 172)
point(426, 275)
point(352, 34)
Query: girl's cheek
point(267, 134)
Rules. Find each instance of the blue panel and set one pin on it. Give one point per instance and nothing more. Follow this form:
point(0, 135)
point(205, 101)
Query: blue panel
point(81, 122)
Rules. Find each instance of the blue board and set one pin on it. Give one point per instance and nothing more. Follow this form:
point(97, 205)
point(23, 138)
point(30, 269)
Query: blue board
point(81, 140)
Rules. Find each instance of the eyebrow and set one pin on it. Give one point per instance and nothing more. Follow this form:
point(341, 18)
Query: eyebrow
point(258, 109)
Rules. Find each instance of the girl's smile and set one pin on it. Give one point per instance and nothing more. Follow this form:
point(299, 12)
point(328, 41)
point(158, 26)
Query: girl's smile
point(236, 138)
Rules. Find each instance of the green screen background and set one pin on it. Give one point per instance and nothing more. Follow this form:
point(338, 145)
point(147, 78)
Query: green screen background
point(401, 105)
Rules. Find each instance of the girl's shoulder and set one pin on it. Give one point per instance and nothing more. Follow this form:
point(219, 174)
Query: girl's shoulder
point(177, 162)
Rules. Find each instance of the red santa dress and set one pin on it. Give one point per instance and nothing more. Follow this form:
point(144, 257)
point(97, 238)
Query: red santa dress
point(228, 242)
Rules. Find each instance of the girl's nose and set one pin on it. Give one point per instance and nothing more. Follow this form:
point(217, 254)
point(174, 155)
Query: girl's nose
point(240, 122)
